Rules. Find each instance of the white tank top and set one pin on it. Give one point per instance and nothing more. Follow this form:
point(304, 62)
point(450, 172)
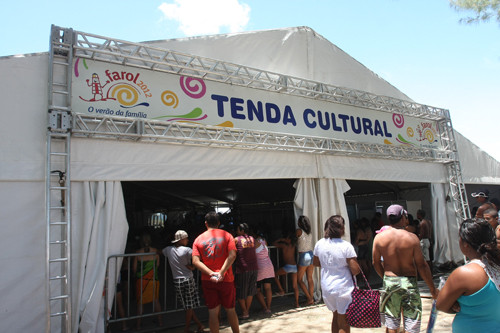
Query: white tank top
point(304, 242)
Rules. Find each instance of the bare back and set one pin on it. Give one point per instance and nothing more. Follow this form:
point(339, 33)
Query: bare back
point(289, 255)
point(288, 250)
point(425, 229)
point(400, 251)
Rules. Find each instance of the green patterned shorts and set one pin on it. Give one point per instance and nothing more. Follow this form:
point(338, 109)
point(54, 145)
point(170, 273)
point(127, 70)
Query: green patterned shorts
point(400, 294)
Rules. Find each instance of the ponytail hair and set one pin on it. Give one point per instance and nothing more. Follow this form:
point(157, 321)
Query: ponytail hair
point(479, 234)
point(304, 224)
point(244, 227)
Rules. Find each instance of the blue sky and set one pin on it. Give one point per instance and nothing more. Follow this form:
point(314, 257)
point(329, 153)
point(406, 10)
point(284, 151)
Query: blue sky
point(418, 46)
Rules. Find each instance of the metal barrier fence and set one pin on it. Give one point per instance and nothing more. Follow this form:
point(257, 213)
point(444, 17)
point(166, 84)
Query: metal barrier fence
point(120, 285)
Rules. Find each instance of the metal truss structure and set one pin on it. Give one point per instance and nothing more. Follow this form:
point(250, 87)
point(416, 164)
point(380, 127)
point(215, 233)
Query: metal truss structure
point(144, 56)
point(105, 127)
point(58, 182)
point(67, 44)
point(457, 187)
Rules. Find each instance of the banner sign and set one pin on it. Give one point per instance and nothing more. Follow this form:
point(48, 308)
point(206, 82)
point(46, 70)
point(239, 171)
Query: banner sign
point(101, 88)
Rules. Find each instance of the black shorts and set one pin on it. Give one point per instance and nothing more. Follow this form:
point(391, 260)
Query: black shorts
point(261, 282)
point(363, 251)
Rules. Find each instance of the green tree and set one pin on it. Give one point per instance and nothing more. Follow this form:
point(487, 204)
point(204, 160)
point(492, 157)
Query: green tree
point(483, 10)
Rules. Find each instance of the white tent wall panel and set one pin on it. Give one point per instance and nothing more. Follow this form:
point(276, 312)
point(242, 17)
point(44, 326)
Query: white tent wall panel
point(145, 161)
point(477, 166)
point(94, 159)
point(22, 257)
point(24, 117)
point(99, 230)
point(446, 248)
point(380, 169)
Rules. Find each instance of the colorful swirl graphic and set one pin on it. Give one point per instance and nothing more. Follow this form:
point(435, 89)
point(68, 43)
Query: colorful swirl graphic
point(398, 120)
point(194, 88)
point(133, 106)
point(226, 124)
point(77, 73)
point(195, 114)
point(191, 120)
point(402, 140)
point(124, 94)
point(429, 135)
point(410, 132)
point(169, 98)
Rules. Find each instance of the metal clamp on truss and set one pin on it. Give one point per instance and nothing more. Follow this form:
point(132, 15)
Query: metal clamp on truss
point(59, 121)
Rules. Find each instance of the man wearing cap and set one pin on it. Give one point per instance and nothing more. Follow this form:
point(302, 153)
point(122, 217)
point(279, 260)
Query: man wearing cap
point(398, 258)
point(179, 258)
point(482, 197)
point(214, 252)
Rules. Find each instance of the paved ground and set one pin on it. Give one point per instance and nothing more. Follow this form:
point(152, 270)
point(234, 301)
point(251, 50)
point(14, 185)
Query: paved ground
point(316, 318)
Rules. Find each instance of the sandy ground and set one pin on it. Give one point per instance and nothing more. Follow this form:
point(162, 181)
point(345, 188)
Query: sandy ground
point(316, 318)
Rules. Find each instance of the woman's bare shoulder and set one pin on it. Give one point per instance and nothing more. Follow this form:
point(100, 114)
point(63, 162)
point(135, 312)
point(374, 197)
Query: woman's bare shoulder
point(472, 276)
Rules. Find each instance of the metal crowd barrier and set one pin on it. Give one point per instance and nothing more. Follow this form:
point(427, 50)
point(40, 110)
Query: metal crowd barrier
point(120, 286)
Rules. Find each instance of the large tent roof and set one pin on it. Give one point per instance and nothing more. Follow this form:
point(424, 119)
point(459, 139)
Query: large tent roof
point(299, 52)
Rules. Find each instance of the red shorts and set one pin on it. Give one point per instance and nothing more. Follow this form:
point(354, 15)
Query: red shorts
point(221, 293)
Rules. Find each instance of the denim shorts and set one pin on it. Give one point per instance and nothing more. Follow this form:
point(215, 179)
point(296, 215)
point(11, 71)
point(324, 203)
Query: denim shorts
point(290, 268)
point(305, 258)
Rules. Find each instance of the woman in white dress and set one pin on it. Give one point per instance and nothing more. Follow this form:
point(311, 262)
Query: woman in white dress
point(338, 263)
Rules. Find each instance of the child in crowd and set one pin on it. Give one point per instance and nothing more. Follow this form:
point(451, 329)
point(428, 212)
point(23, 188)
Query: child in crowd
point(287, 246)
point(179, 258)
point(305, 249)
point(145, 270)
point(265, 274)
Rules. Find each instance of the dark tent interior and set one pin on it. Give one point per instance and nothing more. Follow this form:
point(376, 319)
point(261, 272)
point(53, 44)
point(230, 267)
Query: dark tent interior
point(162, 207)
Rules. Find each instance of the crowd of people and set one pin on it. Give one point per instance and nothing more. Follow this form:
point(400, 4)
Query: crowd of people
point(399, 251)
point(216, 252)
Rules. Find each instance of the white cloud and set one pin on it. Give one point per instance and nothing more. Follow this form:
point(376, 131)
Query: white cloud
point(200, 17)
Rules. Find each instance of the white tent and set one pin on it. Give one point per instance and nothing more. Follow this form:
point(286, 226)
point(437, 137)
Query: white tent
point(98, 165)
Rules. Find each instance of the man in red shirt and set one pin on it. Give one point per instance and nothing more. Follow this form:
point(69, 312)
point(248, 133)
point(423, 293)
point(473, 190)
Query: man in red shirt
point(214, 252)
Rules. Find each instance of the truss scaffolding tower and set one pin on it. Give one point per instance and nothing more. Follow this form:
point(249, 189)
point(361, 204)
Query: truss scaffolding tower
point(58, 181)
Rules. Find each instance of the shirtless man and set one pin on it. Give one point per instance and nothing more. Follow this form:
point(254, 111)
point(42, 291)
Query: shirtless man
point(491, 216)
point(425, 234)
point(397, 258)
point(287, 246)
point(482, 197)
